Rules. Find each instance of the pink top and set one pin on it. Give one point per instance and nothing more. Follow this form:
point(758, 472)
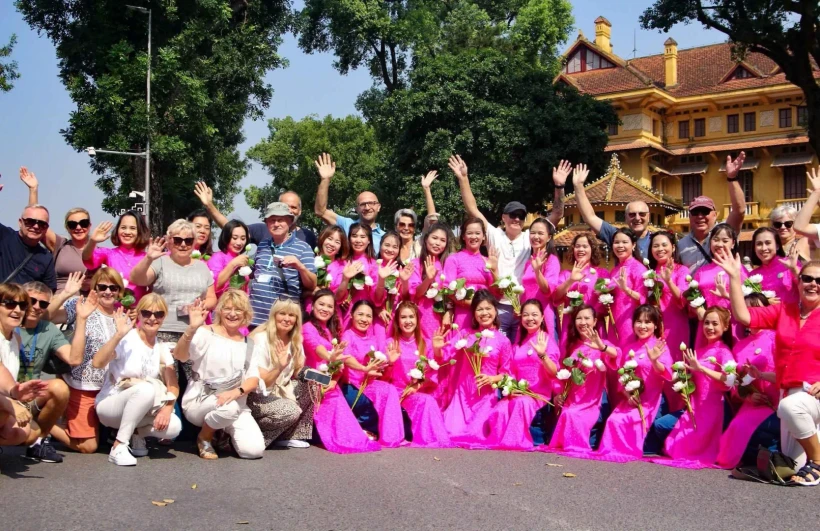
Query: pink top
point(675, 315)
point(526, 364)
point(407, 361)
point(335, 269)
point(371, 269)
point(430, 320)
point(624, 305)
point(216, 264)
point(498, 360)
point(313, 338)
point(758, 350)
point(586, 286)
point(707, 278)
point(358, 345)
point(121, 259)
point(778, 277)
point(551, 271)
point(469, 266)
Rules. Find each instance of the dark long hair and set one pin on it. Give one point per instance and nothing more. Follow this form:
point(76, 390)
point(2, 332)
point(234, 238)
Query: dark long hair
point(653, 263)
point(208, 248)
point(755, 260)
point(448, 234)
point(333, 324)
point(730, 231)
point(572, 332)
point(550, 247)
point(227, 233)
point(629, 233)
point(143, 232)
point(479, 297)
point(522, 332)
point(354, 228)
point(654, 315)
point(344, 249)
point(471, 220)
point(594, 244)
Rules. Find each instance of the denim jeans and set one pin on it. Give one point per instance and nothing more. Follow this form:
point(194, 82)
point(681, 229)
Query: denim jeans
point(766, 435)
point(662, 426)
point(509, 321)
point(598, 429)
point(364, 411)
point(540, 429)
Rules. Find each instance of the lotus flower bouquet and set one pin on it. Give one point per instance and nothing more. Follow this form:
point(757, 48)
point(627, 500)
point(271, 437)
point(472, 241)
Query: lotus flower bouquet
point(753, 284)
point(684, 385)
point(740, 378)
point(323, 278)
point(650, 280)
point(476, 352)
point(605, 297)
point(512, 290)
point(359, 282)
point(391, 285)
point(509, 386)
point(373, 355)
point(575, 371)
point(632, 383)
point(693, 293)
point(197, 255)
point(128, 298)
point(418, 373)
point(240, 278)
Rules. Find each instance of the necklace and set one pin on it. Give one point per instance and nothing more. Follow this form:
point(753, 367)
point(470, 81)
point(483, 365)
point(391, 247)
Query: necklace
point(804, 316)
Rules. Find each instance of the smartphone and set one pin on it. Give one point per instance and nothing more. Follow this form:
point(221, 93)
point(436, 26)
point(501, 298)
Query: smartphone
point(318, 377)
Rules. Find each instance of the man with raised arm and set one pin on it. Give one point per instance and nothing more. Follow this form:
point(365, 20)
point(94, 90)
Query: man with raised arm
point(511, 245)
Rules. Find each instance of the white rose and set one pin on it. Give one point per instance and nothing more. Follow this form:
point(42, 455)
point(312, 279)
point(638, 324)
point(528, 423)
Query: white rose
point(523, 384)
point(634, 385)
point(731, 379)
point(453, 285)
point(505, 392)
point(460, 344)
point(504, 284)
point(245, 271)
point(323, 367)
point(592, 271)
point(461, 294)
point(563, 374)
point(682, 346)
point(600, 365)
point(631, 353)
point(431, 293)
point(329, 277)
point(439, 297)
point(487, 333)
point(196, 254)
point(587, 363)
point(678, 366)
point(606, 299)
point(730, 366)
point(518, 289)
point(697, 302)
point(334, 341)
point(435, 285)
point(631, 364)
point(442, 278)
point(368, 280)
point(756, 279)
point(674, 376)
point(688, 278)
point(393, 291)
point(693, 283)
point(380, 356)
point(623, 379)
point(415, 374)
point(649, 283)
point(358, 286)
point(433, 364)
point(646, 262)
point(678, 387)
point(574, 294)
point(769, 294)
point(319, 262)
point(747, 290)
point(647, 274)
point(747, 380)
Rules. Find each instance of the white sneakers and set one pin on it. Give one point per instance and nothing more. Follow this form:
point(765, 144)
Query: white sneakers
point(292, 443)
point(120, 456)
point(138, 446)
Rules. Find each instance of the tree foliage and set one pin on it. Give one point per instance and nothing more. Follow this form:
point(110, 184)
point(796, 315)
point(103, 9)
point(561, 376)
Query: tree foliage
point(208, 66)
point(786, 31)
point(8, 68)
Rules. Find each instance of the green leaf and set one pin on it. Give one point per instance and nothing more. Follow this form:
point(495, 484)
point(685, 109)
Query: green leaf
point(578, 376)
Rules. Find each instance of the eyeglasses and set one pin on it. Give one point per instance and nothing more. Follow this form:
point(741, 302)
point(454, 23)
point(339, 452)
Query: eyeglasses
point(39, 302)
point(369, 204)
point(145, 314)
point(778, 224)
point(178, 241)
point(83, 223)
point(113, 288)
point(39, 223)
point(11, 305)
point(641, 214)
point(403, 225)
point(808, 279)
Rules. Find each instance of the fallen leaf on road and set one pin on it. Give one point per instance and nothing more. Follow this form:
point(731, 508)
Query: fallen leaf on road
point(569, 475)
point(168, 500)
point(436, 459)
point(554, 464)
point(193, 486)
point(243, 522)
point(159, 504)
point(517, 484)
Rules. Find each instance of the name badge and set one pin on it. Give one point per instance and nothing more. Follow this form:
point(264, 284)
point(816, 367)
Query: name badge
point(265, 279)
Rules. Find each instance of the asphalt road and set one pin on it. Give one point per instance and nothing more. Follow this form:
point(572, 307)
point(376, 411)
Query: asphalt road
point(394, 489)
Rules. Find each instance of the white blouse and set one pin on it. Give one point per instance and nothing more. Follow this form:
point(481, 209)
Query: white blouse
point(10, 354)
point(134, 359)
point(283, 387)
point(213, 356)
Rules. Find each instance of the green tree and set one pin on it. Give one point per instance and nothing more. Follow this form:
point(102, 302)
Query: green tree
point(210, 58)
point(288, 154)
point(8, 69)
point(786, 31)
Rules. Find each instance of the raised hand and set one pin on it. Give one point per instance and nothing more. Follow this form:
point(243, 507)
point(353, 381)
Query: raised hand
point(353, 268)
point(592, 338)
point(492, 260)
point(338, 350)
point(28, 178)
point(540, 346)
point(666, 272)
point(621, 280)
point(122, 322)
point(197, 314)
point(430, 267)
point(86, 305)
point(440, 337)
point(538, 260)
point(814, 179)
point(281, 352)
point(325, 166)
point(720, 286)
point(204, 193)
point(156, 248)
point(385, 316)
point(559, 174)
point(577, 273)
point(458, 166)
point(393, 351)
point(387, 269)
point(733, 166)
point(656, 351)
point(428, 179)
point(101, 232)
point(74, 283)
point(690, 358)
point(407, 272)
point(579, 175)
point(792, 261)
point(731, 266)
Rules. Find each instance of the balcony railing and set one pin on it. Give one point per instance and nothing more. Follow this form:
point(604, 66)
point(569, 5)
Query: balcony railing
point(797, 204)
point(752, 210)
point(683, 214)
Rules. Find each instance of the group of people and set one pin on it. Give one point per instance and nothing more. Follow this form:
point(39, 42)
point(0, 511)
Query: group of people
point(364, 338)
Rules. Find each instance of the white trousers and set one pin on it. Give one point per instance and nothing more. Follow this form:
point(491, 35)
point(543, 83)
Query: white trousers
point(129, 411)
point(235, 418)
point(799, 414)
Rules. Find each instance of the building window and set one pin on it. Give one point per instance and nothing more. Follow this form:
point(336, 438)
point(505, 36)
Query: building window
point(732, 123)
point(683, 129)
point(746, 182)
point(655, 127)
point(785, 117)
point(584, 60)
point(748, 121)
point(802, 116)
point(794, 182)
point(700, 127)
point(741, 73)
point(613, 129)
point(601, 215)
point(568, 218)
point(620, 216)
point(691, 187)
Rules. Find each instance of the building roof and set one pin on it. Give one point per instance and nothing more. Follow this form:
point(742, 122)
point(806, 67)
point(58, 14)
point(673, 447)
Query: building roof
point(701, 70)
point(737, 146)
point(637, 144)
point(617, 188)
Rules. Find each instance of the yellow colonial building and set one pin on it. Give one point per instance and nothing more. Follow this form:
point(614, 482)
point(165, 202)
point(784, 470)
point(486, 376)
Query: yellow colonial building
point(683, 111)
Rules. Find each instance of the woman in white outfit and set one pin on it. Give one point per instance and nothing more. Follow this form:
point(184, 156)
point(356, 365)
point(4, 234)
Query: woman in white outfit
point(224, 372)
point(140, 384)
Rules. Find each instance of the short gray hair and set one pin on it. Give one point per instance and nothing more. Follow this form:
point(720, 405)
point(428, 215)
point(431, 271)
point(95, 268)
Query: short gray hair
point(402, 212)
point(180, 225)
point(783, 211)
point(37, 205)
point(38, 287)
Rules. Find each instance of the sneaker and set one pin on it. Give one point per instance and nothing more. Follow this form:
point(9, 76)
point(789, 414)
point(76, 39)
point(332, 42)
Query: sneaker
point(43, 452)
point(120, 456)
point(138, 446)
point(292, 443)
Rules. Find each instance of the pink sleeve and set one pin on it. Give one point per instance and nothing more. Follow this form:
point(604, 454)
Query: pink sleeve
point(311, 338)
point(636, 272)
point(415, 278)
point(504, 357)
point(680, 278)
point(617, 349)
point(335, 269)
point(552, 271)
point(98, 258)
point(765, 317)
point(451, 267)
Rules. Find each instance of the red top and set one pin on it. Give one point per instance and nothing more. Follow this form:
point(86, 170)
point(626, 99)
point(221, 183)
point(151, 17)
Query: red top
point(797, 350)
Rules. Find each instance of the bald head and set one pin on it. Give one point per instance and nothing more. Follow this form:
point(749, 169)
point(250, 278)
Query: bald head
point(293, 201)
point(368, 207)
point(637, 217)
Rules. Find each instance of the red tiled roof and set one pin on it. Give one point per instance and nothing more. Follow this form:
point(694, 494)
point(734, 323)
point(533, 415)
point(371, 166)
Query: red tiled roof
point(701, 71)
point(637, 144)
point(735, 146)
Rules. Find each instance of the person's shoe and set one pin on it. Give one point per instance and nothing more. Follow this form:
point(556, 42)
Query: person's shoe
point(292, 443)
point(138, 446)
point(120, 456)
point(43, 452)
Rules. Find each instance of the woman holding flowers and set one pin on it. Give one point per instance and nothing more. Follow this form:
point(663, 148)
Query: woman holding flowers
point(582, 373)
point(333, 250)
point(578, 285)
point(642, 369)
point(755, 424)
point(359, 272)
point(483, 355)
point(778, 275)
point(701, 378)
point(670, 283)
point(338, 429)
point(391, 277)
point(230, 266)
point(632, 283)
point(470, 265)
point(415, 364)
point(541, 273)
point(427, 279)
point(365, 365)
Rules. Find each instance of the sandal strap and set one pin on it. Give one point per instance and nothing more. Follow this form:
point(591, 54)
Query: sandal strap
point(809, 468)
point(205, 448)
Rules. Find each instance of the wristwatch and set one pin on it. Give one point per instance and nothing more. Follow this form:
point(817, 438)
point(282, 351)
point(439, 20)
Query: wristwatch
point(241, 391)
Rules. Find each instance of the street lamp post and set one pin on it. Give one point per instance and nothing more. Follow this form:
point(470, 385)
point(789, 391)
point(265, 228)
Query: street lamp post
point(148, 113)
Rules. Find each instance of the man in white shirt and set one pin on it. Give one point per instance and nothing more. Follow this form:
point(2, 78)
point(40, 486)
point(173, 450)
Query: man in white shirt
point(512, 244)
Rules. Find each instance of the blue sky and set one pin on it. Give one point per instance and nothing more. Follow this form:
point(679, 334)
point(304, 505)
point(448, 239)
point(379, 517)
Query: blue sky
point(33, 113)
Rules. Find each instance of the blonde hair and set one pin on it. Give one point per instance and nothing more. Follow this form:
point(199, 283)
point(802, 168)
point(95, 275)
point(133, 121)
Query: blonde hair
point(239, 300)
point(111, 275)
point(268, 328)
point(76, 210)
point(152, 299)
point(179, 226)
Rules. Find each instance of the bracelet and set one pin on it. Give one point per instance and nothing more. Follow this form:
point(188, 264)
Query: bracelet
point(559, 187)
point(736, 179)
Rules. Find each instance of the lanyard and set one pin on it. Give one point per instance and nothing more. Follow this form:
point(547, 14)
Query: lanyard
point(28, 359)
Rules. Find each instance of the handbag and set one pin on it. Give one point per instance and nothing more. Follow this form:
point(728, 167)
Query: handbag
point(774, 468)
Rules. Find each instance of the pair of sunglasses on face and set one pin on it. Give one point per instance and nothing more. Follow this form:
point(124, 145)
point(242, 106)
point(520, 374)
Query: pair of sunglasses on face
point(779, 224)
point(39, 223)
point(178, 241)
point(83, 224)
point(808, 279)
point(11, 305)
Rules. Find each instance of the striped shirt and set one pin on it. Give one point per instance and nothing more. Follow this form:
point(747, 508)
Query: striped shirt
point(271, 281)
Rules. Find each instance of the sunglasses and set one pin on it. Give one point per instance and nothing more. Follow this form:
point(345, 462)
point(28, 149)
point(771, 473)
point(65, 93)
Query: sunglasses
point(39, 302)
point(641, 214)
point(179, 241)
point(145, 314)
point(403, 225)
point(83, 223)
point(113, 288)
point(11, 305)
point(39, 223)
point(778, 224)
point(808, 279)
point(700, 212)
point(517, 215)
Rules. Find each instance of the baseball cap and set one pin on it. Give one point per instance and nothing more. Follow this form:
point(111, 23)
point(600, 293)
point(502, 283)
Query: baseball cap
point(277, 209)
point(702, 201)
point(514, 206)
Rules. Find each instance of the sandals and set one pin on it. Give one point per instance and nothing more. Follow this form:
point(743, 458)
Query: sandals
point(808, 476)
point(206, 450)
